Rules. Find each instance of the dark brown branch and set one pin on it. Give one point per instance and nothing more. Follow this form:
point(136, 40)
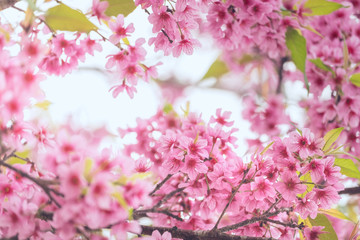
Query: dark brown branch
point(7, 3)
point(41, 183)
point(280, 70)
point(289, 224)
point(231, 198)
point(351, 191)
point(142, 213)
point(159, 185)
point(253, 220)
point(197, 235)
point(167, 197)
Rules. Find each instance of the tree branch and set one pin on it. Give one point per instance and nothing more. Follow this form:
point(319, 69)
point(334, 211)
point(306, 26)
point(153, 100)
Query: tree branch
point(7, 3)
point(351, 191)
point(253, 220)
point(197, 235)
point(167, 197)
point(41, 183)
point(159, 185)
point(231, 198)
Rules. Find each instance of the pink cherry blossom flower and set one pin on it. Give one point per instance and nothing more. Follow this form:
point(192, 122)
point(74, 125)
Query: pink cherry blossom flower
point(313, 233)
point(306, 207)
point(120, 31)
point(193, 166)
point(262, 188)
point(222, 118)
point(326, 197)
point(185, 45)
point(156, 235)
point(99, 8)
point(290, 186)
point(316, 168)
point(160, 18)
point(120, 88)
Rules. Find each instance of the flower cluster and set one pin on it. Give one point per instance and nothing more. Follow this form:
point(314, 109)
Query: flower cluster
point(205, 174)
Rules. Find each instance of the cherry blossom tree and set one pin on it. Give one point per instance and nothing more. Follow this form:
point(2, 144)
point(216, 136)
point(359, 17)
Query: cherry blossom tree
point(182, 177)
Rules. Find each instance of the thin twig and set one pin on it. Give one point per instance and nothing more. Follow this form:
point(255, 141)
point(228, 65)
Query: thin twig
point(289, 224)
point(351, 191)
point(167, 197)
point(41, 183)
point(159, 185)
point(197, 235)
point(231, 198)
point(253, 220)
point(142, 213)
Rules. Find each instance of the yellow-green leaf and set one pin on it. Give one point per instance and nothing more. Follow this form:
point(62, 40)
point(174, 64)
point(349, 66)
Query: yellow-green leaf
point(322, 220)
point(266, 148)
point(216, 70)
point(87, 169)
point(15, 160)
point(121, 200)
point(334, 213)
point(355, 79)
point(64, 18)
point(168, 108)
point(320, 7)
point(320, 64)
point(137, 176)
point(330, 137)
point(355, 231)
point(43, 105)
point(348, 167)
point(306, 178)
point(116, 7)
point(296, 43)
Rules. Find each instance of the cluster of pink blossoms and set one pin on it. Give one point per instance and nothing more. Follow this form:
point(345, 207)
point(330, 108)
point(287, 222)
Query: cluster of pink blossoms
point(293, 176)
point(342, 108)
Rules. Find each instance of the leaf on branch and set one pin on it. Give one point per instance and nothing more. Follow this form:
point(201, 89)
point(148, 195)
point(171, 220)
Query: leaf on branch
point(320, 64)
point(348, 167)
point(15, 160)
point(64, 18)
point(322, 220)
point(330, 137)
point(116, 7)
point(355, 79)
point(320, 7)
point(335, 213)
point(296, 43)
point(216, 70)
point(266, 148)
point(306, 178)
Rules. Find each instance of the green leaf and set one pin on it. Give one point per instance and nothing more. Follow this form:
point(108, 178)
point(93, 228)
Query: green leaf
point(296, 43)
point(330, 137)
point(355, 79)
point(320, 7)
point(348, 167)
point(320, 64)
point(64, 18)
point(216, 70)
point(322, 220)
point(309, 187)
point(335, 213)
point(15, 160)
point(168, 108)
point(297, 46)
point(116, 7)
point(266, 148)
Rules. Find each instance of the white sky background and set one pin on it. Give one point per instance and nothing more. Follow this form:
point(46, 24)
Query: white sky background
point(84, 94)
